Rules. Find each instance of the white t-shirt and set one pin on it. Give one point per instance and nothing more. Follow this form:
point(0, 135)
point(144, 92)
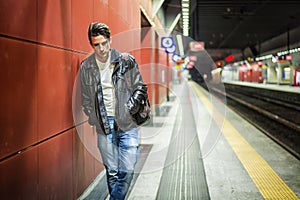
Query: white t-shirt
point(106, 70)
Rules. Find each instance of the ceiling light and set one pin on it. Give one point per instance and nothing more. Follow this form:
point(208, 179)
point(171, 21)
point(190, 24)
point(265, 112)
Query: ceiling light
point(185, 10)
point(185, 5)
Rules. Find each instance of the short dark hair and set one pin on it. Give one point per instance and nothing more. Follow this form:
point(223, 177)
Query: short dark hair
point(96, 29)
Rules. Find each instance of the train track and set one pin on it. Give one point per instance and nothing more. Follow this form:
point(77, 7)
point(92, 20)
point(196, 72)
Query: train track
point(275, 113)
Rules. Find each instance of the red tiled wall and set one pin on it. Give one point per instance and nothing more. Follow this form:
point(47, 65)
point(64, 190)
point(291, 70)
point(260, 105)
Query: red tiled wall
point(15, 18)
point(42, 43)
point(18, 102)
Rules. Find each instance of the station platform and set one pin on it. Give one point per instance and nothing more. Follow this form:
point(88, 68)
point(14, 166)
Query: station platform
point(197, 148)
point(285, 88)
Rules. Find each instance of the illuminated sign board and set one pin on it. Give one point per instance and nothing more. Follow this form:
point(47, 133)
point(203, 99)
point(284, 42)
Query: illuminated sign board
point(196, 46)
point(168, 44)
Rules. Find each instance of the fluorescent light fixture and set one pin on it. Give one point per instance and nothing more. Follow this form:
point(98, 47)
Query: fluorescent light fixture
point(180, 44)
point(281, 53)
point(186, 32)
point(185, 5)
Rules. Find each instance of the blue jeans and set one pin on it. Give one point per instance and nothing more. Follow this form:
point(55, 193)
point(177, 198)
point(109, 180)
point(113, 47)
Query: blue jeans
point(119, 155)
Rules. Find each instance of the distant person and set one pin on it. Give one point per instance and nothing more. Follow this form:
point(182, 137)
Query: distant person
point(112, 93)
point(265, 73)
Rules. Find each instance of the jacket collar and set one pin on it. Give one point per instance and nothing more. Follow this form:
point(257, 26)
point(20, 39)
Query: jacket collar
point(115, 57)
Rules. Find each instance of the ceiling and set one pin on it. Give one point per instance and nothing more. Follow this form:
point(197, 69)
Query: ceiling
point(232, 27)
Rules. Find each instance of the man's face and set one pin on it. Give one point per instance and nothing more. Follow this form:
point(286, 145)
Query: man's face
point(101, 47)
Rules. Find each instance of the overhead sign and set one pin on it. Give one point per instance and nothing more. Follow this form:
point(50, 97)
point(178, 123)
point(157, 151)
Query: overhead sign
point(176, 58)
point(229, 58)
point(196, 46)
point(168, 44)
point(288, 57)
point(171, 49)
point(193, 58)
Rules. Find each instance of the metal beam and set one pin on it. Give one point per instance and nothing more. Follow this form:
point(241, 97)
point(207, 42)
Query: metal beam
point(147, 16)
point(156, 6)
point(174, 23)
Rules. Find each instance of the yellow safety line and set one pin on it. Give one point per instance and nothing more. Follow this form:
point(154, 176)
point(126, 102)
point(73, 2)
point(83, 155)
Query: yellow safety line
point(270, 185)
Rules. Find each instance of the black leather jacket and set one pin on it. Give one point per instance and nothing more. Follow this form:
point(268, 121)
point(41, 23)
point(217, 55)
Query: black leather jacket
point(126, 78)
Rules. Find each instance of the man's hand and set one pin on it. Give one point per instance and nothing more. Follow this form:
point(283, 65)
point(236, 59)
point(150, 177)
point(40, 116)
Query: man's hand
point(136, 102)
point(133, 105)
point(92, 119)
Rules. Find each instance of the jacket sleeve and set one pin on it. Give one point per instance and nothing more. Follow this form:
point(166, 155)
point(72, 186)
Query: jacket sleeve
point(137, 82)
point(87, 98)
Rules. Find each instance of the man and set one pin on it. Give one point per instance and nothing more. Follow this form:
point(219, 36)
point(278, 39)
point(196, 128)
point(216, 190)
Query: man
point(112, 93)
